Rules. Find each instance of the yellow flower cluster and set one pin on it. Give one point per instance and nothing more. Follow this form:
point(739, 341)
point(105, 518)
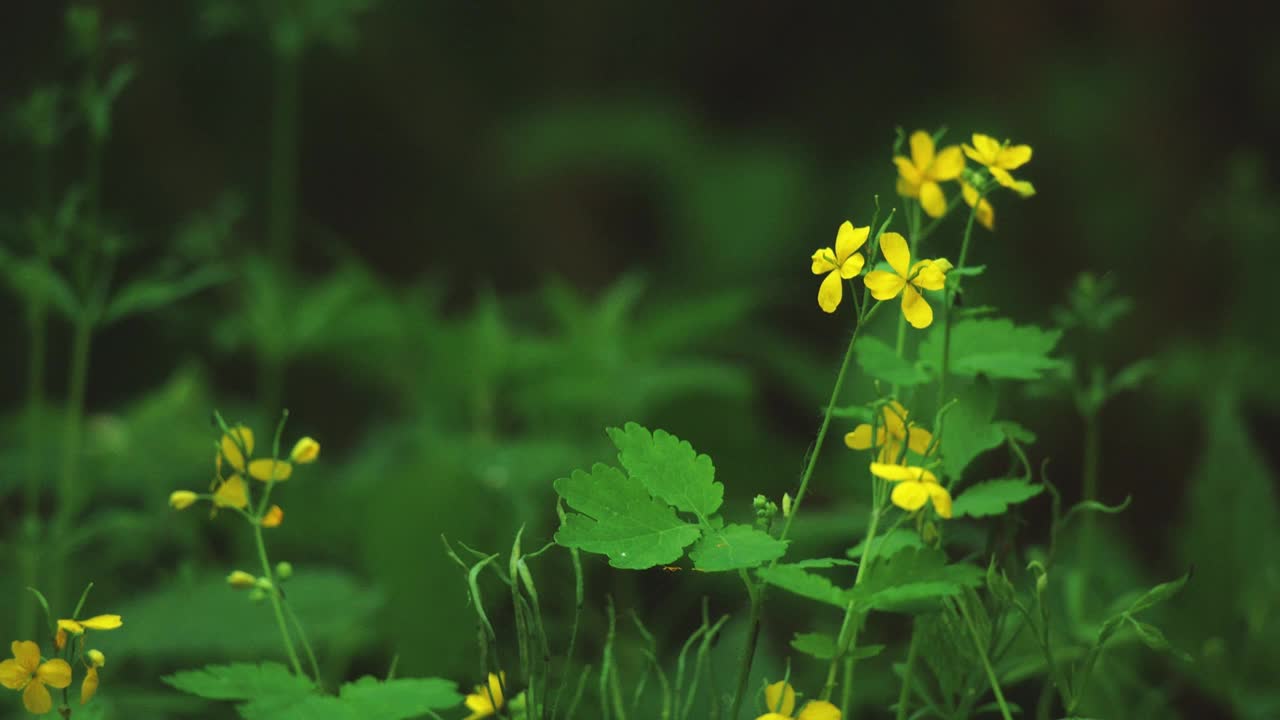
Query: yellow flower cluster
point(780, 699)
point(32, 674)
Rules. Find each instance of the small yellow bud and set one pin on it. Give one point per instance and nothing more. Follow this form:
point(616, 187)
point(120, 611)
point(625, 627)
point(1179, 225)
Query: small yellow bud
point(60, 639)
point(273, 518)
point(786, 505)
point(182, 499)
point(241, 580)
point(305, 451)
point(96, 658)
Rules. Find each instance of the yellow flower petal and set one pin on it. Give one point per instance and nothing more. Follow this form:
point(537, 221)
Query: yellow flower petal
point(894, 473)
point(909, 496)
point(940, 497)
point(1002, 176)
point(232, 493)
point(273, 518)
point(932, 199)
point(823, 260)
point(908, 176)
point(231, 450)
point(894, 248)
point(852, 266)
point(849, 239)
point(927, 275)
point(921, 150)
point(819, 710)
point(182, 499)
point(96, 658)
point(1014, 157)
point(830, 292)
point(948, 164)
point(774, 716)
point(27, 654)
point(266, 469)
point(1023, 188)
point(55, 672)
point(985, 149)
point(780, 697)
point(919, 439)
point(103, 622)
point(304, 451)
point(884, 285)
point(90, 686)
point(36, 698)
point(916, 308)
point(13, 675)
point(860, 437)
point(70, 626)
point(986, 214)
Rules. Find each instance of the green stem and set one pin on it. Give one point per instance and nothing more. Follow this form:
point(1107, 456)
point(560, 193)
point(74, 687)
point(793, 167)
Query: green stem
point(905, 693)
point(749, 652)
point(306, 644)
point(986, 664)
point(847, 640)
point(947, 299)
point(275, 601)
point(67, 492)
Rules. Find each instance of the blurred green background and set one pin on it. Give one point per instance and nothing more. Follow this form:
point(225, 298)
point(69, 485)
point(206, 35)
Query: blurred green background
point(456, 241)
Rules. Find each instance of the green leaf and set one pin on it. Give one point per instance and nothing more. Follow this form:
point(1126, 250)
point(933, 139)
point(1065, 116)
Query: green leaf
point(736, 547)
point(670, 469)
point(1017, 432)
point(880, 361)
point(967, 430)
point(242, 681)
point(887, 545)
point(793, 578)
point(912, 576)
point(994, 347)
point(823, 647)
point(399, 699)
point(37, 281)
point(970, 271)
point(1158, 594)
point(994, 497)
point(620, 519)
point(860, 413)
point(1154, 638)
point(154, 294)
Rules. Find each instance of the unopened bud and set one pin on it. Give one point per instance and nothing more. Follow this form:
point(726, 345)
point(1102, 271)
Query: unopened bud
point(305, 451)
point(182, 499)
point(759, 502)
point(60, 639)
point(273, 518)
point(786, 505)
point(264, 584)
point(257, 595)
point(1042, 583)
point(284, 570)
point(241, 580)
point(96, 658)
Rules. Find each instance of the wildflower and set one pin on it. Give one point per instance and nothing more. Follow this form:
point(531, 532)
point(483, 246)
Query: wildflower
point(241, 580)
point(918, 177)
point(1000, 158)
point(780, 699)
point(232, 493)
point(894, 431)
point(907, 279)
point(182, 499)
point(270, 469)
point(986, 214)
point(25, 672)
point(232, 443)
point(845, 262)
point(916, 486)
point(274, 517)
point(485, 701)
point(97, 622)
point(90, 684)
point(305, 451)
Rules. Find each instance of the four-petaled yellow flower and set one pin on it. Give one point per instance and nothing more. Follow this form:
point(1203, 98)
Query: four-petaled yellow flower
point(919, 175)
point(907, 279)
point(842, 263)
point(1000, 158)
point(916, 486)
point(986, 214)
point(895, 429)
point(780, 699)
point(237, 447)
point(485, 701)
point(25, 672)
point(97, 622)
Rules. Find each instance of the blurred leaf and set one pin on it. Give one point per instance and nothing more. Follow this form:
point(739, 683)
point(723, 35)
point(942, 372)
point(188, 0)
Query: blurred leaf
point(620, 519)
point(736, 547)
point(968, 430)
point(994, 497)
point(1154, 638)
point(880, 361)
point(669, 468)
point(1132, 376)
point(243, 681)
point(38, 282)
point(793, 578)
point(994, 347)
point(148, 295)
point(887, 545)
point(902, 581)
point(399, 699)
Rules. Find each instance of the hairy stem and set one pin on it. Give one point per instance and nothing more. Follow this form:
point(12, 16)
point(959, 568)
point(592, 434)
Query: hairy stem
point(285, 637)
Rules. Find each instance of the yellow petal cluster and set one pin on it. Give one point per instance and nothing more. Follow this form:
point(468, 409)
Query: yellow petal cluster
point(486, 701)
point(919, 175)
point(97, 622)
point(842, 263)
point(894, 431)
point(25, 672)
point(780, 699)
point(915, 487)
point(999, 158)
point(907, 279)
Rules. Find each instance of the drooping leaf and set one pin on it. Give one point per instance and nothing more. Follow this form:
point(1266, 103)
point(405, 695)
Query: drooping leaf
point(912, 576)
point(617, 517)
point(995, 347)
point(242, 681)
point(670, 468)
point(967, 428)
point(994, 497)
point(815, 587)
point(735, 547)
point(878, 360)
point(1154, 638)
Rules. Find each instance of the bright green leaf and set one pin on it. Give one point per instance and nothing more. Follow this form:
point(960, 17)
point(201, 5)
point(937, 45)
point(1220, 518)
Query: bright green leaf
point(815, 587)
point(994, 497)
point(1154, 638)
point(994, 347)
point(1158, 594)
point(736, 547)
point(620, 519)
point(880, 361)
point(242, 681)
point(670, 468)
point(911, 576)
point(399, 699)
point(967, 430)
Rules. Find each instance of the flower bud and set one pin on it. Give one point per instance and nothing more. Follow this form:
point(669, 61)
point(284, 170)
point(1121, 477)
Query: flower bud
point(264, 584)
point(786, 505)
point(305, 451)
point(273, 518)
point(241, 580)
point(284, 570)
point(257, 595)
point(1042, 583)
point(182, 499)
point(60, 639)
point(96, 658)
point(759, 502)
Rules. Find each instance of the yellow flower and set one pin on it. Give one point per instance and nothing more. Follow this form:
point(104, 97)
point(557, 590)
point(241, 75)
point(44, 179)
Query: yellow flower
point(25, 672)
point(231, 450)
point(267, 469)
point(182, 499)
point(894, 430)
point(844, 262)
point(916, 486)
point(485, 701)
point(232, 493)
point(918, 177)
point(90, 685)
point(1000, 158)
point(986, 214)
point(305, 451)
point(273, 518)
point(97, 622)
point(241, 580)
point(780, 699)
point(907, 279)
